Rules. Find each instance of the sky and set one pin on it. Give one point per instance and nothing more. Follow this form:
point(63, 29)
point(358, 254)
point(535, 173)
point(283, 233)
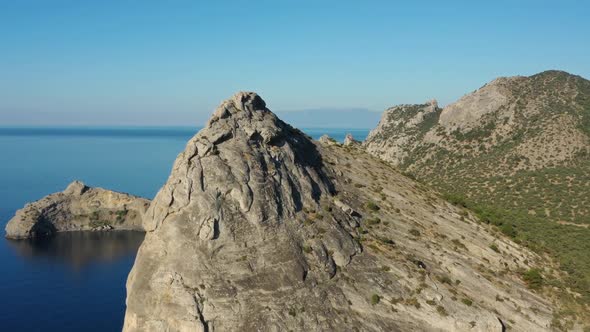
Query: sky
point(147, 62)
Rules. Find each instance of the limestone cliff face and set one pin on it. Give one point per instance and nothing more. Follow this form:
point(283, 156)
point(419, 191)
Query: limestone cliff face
point(259, 228)
point(401, 129)
point(78, 208)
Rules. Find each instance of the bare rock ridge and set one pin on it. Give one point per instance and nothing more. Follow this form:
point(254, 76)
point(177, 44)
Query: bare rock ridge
point(349, 140)
point(78, 208)
point(259, 228)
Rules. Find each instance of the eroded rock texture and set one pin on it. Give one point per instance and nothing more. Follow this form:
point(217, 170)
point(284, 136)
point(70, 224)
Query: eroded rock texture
point(259, 228)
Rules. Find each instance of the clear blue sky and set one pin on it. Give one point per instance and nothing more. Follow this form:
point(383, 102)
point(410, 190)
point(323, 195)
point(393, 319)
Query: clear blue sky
point(172, 62)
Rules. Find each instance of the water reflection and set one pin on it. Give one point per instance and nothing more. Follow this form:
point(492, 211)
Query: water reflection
point(78, 249)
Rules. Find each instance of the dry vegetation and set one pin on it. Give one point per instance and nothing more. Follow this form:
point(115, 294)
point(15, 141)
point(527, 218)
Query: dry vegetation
point(525, 169)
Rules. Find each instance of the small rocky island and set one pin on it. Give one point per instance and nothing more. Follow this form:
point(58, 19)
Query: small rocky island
point(78, 208)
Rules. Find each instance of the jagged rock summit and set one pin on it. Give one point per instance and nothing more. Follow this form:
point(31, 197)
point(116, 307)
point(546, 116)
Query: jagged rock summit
point(245, 156)
point(78, 208)
point(228, 212)
point(349, 140)
point(259, 228)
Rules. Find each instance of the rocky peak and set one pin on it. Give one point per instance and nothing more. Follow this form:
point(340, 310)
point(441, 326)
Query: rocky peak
point(543, 117)
point(240, 187)
point(468, 111)
point(433, 103)
point(242, 105)
point(76, 188)
point(349, 140)
point(391, 136)
point(245, 157)
point(325, 139)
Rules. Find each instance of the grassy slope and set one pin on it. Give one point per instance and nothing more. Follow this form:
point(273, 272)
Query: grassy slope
point(528, 205)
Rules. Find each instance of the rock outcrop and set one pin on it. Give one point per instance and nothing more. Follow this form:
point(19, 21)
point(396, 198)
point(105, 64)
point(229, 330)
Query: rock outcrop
point(325, 139)
point(78, 208)
point(401, 129)
point(259, 228)
point(349, 140)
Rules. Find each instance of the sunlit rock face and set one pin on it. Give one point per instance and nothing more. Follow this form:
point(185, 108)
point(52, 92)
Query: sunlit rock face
point(259, 228)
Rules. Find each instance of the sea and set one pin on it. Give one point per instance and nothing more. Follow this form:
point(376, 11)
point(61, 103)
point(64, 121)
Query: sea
point(76, 281)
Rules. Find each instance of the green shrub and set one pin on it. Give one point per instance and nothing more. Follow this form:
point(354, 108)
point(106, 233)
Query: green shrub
point(385, 240)
point(494, 247)
point(533, 278)
point(409, 175)
point(121, 214)
point(372, 206)
point(445, 280)
point(459, 244)
point(442, 311)
point(413, 301)
point(375, 299)
point(456, 199)
point(99, 223)
point(373, 221)
point(467, 301)
point(415, 232)
point(94, 215)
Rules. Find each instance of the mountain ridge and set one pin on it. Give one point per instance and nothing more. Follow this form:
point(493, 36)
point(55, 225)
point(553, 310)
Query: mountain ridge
point(261, 228)
point(516, 151)
point(520, 128)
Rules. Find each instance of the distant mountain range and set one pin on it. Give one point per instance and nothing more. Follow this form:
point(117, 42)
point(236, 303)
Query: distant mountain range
point(357, 118)
point(332, 118)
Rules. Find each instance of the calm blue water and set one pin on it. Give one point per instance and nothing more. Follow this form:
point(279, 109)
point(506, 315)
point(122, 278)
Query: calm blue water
point(76, 281)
